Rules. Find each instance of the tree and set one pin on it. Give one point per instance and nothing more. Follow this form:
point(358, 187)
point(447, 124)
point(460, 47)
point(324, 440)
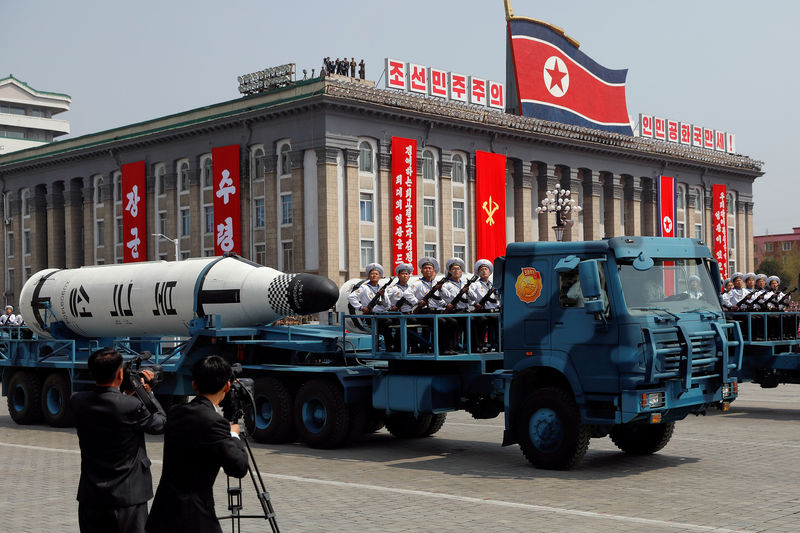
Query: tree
point(770, 267)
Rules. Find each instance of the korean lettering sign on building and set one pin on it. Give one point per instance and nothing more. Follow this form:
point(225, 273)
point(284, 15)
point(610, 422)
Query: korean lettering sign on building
point(444, 84)
point(664, 129)
point(227, 207)
point(719, 208)
point(134, 219)
point(404, 195)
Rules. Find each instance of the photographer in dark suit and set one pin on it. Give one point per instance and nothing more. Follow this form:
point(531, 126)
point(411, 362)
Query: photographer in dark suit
point(197, 442)
point(115, 479)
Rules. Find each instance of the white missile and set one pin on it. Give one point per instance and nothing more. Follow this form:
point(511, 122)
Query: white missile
point(160, 298)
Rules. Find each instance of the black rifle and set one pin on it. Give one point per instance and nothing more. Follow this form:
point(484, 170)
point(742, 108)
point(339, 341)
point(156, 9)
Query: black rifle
point(486, 297)
point(747, 300)
point(768, 300)
point(379, 294)
point(460, 294)
point(751, 300)
point(784, 297)
point(431, 293)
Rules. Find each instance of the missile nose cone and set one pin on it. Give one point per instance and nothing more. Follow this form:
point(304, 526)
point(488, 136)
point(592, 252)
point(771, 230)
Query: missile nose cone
point(309, 293)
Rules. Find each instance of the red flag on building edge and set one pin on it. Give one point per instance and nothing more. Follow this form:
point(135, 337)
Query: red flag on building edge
point(404, 199)
point(490, 205)
point(134, 214)
point(227, 207)
point(719, 207)
point(553, 80)
point(666, 217)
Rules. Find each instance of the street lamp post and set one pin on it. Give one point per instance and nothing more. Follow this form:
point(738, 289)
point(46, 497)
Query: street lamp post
point(558, 201)
point(176, 242)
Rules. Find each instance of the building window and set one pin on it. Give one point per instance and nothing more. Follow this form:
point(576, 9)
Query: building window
point(10, 284)
point(458, 169)
point(429, 212)
point(367, 252)
point(770, 247)
point(26, 242)
point(117, 188)
point(258, 164)
point(285, 160)
point(288, 256)
point(183, 177)
point(120, 234)
point(28, 272)
point(680, 202)
point(26, 203)
point(208, 219)
point(365, 157)
point(259, 213)
point(98, 191)
point(286, 209)
point(731, 266)
point(458, 215)
point(160, 181)
point(365, 204)
point(427, 165)
point(162, 257)
point(680, 230)
point(186, 226)
point(185, 256)
point(698, 232)
point(100, 233)
point(162, 222)
point(430, 250)
point(261, 254)
point(10, 244)
point(460, 251)
point(786, 246)
point(699, 200)
point(207, 173)
point(208, 253)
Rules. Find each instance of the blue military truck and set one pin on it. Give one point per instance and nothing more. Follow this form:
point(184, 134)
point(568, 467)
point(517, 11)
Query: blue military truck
point(598, 338)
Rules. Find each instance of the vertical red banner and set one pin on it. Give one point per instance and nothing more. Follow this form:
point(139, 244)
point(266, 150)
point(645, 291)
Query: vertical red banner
point(666, 217)
point(134, 214)
point(490, 205)
point(404, 199)
point(227, 206)
point(719, 207)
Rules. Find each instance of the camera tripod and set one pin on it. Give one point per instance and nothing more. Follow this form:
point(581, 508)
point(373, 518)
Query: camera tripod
point(240, 394)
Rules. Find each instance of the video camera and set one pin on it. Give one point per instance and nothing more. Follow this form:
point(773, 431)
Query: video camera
point(239, 405)
point(133, 376)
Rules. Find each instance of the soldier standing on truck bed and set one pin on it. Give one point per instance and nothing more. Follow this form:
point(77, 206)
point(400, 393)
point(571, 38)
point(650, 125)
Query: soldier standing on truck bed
point(481, 342)
point(401, 299)
point(362, 297)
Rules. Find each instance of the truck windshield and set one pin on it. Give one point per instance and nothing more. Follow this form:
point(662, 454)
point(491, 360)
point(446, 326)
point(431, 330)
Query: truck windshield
point(673, 286)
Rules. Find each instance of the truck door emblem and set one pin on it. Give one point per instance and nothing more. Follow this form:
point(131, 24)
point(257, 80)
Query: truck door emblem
point(529, 285)
point(490, 207)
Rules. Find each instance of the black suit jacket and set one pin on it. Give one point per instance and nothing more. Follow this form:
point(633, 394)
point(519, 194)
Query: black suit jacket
point(197, 442)
point(115, 470)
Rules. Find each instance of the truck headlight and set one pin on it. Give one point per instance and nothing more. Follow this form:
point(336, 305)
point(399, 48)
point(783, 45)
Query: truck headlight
point(730, 390)
point(652, 400)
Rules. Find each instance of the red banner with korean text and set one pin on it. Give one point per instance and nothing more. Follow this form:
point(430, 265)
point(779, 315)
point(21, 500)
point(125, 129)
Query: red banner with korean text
point(134, 214)
point(719, 208)
point(227, 206)
point(490, 205)
point(404, 200)
point(666, 217)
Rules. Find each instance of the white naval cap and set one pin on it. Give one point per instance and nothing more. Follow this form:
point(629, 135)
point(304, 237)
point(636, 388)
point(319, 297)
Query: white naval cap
point(484, 263)
point(428, 261)
point(374, 266)
point(737, 275)
point(9, 306)
point(403, 267)
point(455, 261)
point(761, 276)
point(749, 275)
point(773, 278)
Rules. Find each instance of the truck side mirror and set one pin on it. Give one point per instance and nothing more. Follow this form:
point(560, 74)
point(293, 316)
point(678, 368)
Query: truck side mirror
point(590, 280)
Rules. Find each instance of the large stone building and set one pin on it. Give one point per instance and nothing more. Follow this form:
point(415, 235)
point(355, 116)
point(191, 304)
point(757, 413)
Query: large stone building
point(315, 165)
point(26, 115)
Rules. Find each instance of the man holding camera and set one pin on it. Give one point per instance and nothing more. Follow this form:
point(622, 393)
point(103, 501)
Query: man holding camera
point(197, 442)
point(115, 481)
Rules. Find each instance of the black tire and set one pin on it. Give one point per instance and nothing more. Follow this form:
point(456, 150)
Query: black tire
point(437, 421)
point(55, 401)
point(407, 426)
point(642, 439)
point(549, 430)
point(25, 398)
point(273, 416)
point(321, 417)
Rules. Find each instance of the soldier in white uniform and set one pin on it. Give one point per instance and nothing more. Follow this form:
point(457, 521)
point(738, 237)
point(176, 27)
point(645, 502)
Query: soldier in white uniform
point(361, 298)
point(8, 318)
point(694, 288)
point(750, 281)
point(450, 328)
point(401, 299)
point(478, 292)
point(429, 299)
point(736, 294)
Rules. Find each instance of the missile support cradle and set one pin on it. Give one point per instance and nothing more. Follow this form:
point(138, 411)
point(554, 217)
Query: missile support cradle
point(576, 357)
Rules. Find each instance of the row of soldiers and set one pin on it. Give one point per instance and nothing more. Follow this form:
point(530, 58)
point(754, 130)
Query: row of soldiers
point(452, 294)
point(754, 292)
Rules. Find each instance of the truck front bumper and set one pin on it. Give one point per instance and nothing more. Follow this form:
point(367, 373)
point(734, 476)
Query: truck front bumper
point(670, 402)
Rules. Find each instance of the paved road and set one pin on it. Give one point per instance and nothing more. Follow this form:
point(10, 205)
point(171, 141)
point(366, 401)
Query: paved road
point(738, 471)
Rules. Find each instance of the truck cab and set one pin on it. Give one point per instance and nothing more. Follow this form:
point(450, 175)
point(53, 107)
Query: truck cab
point(622, 336)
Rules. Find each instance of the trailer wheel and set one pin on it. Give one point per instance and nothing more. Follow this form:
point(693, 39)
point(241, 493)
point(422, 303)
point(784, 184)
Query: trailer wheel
point(321, 417)
point(24, 398)
point(407, 426)
point(642, 439)
point(55, 401)
point(549, 431)
point(273, 411)
point(437, 421)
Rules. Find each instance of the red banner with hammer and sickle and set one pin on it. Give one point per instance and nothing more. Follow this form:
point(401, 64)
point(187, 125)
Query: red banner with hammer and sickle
point(490, 205)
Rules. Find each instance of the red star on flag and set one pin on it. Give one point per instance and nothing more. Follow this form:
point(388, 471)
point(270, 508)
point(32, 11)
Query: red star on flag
point(556, 76)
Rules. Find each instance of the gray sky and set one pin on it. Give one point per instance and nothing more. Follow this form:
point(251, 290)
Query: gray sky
point(724, 65)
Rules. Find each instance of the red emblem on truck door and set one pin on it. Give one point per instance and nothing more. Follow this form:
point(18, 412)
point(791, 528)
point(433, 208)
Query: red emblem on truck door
point(529, 285)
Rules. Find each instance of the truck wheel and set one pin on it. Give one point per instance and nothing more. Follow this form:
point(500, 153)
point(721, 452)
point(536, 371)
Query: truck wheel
point(549, 431)
point(321, 417)
point(437, 421)
point(407, 426)
point(273, 411)
point(55, 401)
point(642, 439)
point(25, 398)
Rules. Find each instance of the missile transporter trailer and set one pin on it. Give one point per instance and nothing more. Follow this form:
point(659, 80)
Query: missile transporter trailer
point(598, 338)
point(771, 347)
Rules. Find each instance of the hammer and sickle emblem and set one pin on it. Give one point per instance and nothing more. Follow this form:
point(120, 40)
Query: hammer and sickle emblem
point(490, 207)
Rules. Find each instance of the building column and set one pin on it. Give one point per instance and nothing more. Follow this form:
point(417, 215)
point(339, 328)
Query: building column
point(171, 203)
point(352, 218)
point(75, 233)
point(14, 256)
point(89, 227)
point(470, 207)
point(195, 244)
point(328, 201)
point(271, 206)
point(56, 227)
point(383, 201)
point(150, 214)
point(570, 179)
point(741, 236)
point(110, 225)
point(298, 211)
point(650, 207)
point(748, 224)
point(523, 183)
point(633, 206)
point(708, 217)
point(546, 181)
point(38, 228)
point(592, 214)
point(446, 207)
point(691, 215)
point(612, 193)
point(245, 207)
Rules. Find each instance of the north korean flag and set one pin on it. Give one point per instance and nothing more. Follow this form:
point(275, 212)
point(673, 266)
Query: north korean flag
point(556, 81)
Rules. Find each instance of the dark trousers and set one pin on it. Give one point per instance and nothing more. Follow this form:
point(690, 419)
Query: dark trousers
point(484, 331)
point(101, 519)
point(385, 330)
point(450, 331)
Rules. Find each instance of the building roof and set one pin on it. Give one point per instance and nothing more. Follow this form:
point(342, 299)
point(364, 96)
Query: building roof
point(11, 79)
